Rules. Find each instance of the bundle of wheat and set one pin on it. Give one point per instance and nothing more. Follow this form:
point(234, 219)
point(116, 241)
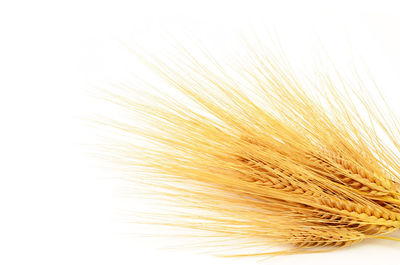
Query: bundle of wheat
point(264, 158)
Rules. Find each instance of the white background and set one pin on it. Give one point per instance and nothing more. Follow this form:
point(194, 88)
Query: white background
point(57, 206)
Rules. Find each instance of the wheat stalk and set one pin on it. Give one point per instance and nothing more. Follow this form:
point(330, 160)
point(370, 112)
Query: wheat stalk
point(261, 158)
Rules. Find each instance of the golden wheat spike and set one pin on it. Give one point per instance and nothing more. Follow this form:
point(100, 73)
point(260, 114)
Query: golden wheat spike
point(264, 156)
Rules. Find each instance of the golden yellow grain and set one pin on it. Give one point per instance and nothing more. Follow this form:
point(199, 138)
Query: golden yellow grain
point(260, 159)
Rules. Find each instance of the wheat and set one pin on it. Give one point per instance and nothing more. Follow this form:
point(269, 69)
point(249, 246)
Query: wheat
point(263, 159)
point(352, 175)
